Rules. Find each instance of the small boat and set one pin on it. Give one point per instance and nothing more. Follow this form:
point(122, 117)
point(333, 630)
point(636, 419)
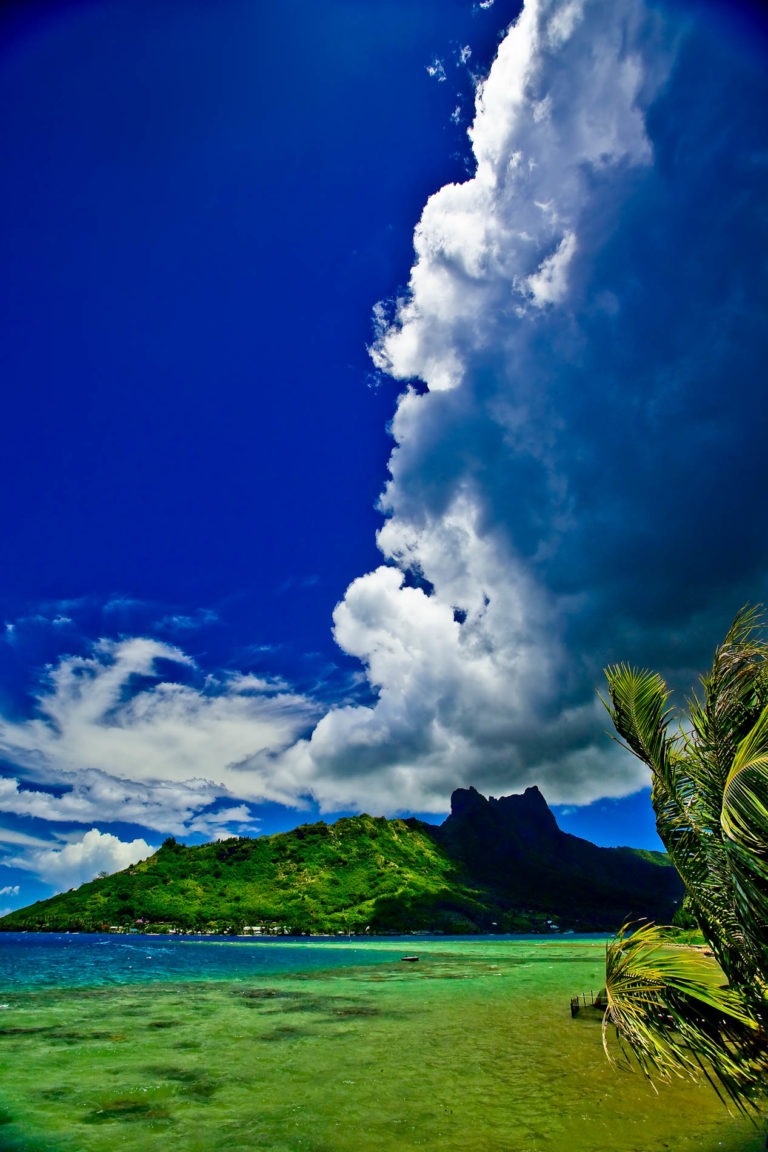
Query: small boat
point(410, 958)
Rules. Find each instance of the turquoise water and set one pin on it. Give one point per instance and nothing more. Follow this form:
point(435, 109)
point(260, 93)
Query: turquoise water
point(73, 960)
point(43, 959)
point(334, 1046)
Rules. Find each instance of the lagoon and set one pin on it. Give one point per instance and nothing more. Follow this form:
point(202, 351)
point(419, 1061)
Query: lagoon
point(325, 1046)
point(29, 960)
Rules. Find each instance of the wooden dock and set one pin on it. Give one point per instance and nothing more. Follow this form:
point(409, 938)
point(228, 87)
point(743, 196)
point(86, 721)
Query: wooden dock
point(589, 1000)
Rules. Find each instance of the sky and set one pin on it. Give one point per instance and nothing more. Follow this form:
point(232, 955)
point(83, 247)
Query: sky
point(373, 375)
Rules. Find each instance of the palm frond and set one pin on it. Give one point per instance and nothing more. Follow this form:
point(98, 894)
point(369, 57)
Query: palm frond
point(638, 709)
point(734, 695)
point(744, 813)
point(710, 795)
point(671, 1006)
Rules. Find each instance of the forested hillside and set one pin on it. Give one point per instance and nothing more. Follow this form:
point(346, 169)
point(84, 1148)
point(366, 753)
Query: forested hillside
point(498, 865)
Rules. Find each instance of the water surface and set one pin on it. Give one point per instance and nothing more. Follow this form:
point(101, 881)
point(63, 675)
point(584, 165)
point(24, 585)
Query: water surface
point(68, 958)
point(472, 1048)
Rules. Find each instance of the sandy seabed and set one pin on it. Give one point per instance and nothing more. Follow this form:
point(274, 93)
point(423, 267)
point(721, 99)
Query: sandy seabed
point(472, 1049)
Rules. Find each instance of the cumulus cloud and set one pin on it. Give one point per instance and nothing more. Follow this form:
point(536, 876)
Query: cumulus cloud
point(10, 890)
point(82, 860)
point(561, 485)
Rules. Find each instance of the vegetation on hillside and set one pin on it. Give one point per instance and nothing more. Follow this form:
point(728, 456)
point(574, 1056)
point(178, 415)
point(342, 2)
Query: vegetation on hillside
point(370, 874)
point(318, 878)
point(710, 795)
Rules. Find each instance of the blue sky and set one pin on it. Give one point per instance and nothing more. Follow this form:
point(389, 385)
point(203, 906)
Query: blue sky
point(365, 393)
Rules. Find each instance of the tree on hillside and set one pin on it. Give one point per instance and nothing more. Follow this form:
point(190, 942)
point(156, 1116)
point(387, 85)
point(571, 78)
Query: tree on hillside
point(710, 796)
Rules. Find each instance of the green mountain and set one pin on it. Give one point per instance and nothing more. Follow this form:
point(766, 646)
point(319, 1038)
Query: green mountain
point(493, 865)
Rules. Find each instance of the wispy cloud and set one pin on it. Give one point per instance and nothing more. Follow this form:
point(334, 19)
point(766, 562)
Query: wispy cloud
point(179, 622)
point(297, 583)
point(13, 629)
point(120, 742)
point(86, 795)
point(12, 836)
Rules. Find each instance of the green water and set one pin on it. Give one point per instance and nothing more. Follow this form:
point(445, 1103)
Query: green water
point(471, 1049)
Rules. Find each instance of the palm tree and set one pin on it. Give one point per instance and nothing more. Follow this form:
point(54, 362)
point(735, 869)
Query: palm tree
point(710, 796)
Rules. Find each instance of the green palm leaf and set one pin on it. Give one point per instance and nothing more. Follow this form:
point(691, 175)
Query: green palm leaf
point(745, 795)
point(679, 1014)
point(639, 711)
point(670, 1005)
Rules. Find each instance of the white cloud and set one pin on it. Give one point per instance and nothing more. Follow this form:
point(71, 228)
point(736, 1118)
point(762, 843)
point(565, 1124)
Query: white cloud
point(530, 498)
point(456, 701)
point(82, 860)
point(471, 674)
point(10, 890)
point(549, 283)
point(157, 755)
point(164, 805)
point(482, 246)
point(437, 70)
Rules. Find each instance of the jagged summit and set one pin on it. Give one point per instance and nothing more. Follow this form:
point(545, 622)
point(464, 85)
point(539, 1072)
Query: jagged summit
point(526, 815)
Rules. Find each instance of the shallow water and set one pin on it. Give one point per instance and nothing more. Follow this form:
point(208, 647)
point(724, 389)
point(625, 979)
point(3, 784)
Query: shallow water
point(472, 1049)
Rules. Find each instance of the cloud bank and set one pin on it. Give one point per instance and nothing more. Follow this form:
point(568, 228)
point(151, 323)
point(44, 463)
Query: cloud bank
point(577, 451)
point(584, 317)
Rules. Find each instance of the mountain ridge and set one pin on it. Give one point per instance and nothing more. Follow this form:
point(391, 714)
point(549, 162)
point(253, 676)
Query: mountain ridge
point(493, 865)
